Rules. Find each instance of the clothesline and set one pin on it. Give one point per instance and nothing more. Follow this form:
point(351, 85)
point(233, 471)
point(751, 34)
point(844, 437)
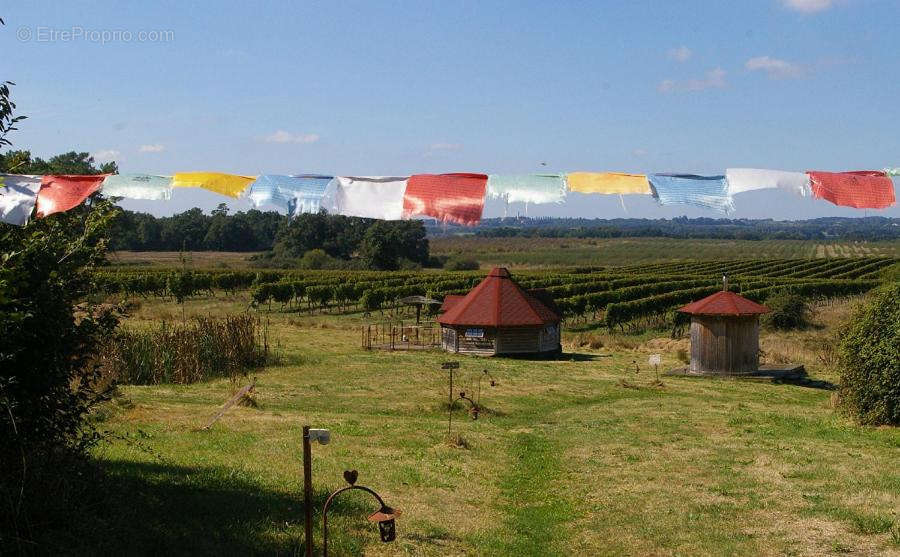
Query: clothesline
point(457, 198)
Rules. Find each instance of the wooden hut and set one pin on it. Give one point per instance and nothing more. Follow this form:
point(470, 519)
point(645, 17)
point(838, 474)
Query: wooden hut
point(724, 334)
point(500, 317)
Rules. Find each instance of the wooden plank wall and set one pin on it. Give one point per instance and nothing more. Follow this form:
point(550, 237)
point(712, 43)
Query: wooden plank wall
point(724, 344)
point(519, 340)
point(486, 346)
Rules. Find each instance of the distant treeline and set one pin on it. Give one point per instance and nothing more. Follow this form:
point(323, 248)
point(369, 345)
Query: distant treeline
point(866, 228)
point(341, 237)
point(193, 230)
point(325, 241)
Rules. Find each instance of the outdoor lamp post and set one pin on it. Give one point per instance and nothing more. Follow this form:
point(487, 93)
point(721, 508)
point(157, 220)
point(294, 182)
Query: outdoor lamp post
point(384, 516)
point(323, 436)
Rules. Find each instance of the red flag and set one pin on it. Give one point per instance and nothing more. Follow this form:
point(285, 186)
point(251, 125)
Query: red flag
point(863, 189)
point(63, 192)
point(455, 198)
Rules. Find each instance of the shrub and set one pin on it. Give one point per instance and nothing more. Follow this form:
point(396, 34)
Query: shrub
point(869, 360)
point(282, 292)
point(181, 285)
point(461, 264)
point(262, 293)
point(789, 311)
point(372, 299)
point(316, 259)
point(49, 337)
point(319, 295)
point(226, 281)
point(266, 277)
point(408, 264)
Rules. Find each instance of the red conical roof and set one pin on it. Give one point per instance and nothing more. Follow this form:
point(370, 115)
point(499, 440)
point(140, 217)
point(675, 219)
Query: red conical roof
point(498, 301)
point(724, 303)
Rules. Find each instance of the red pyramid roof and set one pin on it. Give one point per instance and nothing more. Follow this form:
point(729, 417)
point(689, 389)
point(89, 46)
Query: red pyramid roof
point(498, 301)
point(450, 300)
point(724, 303)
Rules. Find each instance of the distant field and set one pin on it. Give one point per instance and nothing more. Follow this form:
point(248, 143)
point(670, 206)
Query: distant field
point(193, 259)
point(529, 252)
point(556, 252)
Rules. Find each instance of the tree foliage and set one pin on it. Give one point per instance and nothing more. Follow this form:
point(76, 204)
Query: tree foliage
point(49, 334)
point(21, 162)
point(386, 242)
point(870, 359)
point(789, 311)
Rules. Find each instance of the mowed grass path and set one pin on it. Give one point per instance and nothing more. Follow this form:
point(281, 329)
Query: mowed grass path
point(567, 461)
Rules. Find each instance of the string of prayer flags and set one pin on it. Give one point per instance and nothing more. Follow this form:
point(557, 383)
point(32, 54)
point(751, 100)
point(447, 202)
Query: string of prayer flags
point(18, 194)
point(64, 192)
point(138, 186)
point(527, 188)
point(292, 195)
point(455, 198)
point(741, 180)
point(710, 192)
point(613, 183)
point(372, 197)
point(231, 185)
point(862, 189)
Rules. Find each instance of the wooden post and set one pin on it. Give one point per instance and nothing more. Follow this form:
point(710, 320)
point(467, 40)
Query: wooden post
point(244, 391)
point(307, 490)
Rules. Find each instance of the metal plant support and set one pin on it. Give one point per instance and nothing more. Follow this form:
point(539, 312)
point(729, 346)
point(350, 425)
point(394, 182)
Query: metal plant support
point(474, 405)
point(384, 516)
point(494, 383)
point(450, 366)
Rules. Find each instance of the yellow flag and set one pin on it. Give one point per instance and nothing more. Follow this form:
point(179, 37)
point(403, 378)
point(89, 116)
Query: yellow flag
point(608, 182)
point(231, 185)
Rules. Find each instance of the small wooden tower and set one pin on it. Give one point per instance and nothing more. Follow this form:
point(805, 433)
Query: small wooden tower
point(724, 334)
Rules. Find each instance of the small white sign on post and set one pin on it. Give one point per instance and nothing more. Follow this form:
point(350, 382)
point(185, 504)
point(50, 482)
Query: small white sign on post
point(654, 359)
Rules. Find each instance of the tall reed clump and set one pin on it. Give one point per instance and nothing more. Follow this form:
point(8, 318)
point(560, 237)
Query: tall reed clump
point(200, 349)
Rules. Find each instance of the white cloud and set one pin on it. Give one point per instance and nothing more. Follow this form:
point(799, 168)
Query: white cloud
point(282, 136)
point(154, 148)
point(105, 155)
point(775, 68)
point(639, 152)
point(808, 6)
point(714, 79)
point(680, 54)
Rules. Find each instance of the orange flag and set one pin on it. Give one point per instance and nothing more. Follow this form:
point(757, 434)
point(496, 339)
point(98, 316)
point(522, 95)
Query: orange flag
point(63, 192)
point(455, 198)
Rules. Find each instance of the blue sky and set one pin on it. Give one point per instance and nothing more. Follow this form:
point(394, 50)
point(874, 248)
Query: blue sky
point(407, 87)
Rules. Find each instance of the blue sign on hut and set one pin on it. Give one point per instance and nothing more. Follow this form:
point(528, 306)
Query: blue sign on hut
point(500, 317)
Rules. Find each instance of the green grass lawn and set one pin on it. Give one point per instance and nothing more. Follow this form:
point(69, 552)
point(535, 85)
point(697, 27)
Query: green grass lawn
point(568, 459)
